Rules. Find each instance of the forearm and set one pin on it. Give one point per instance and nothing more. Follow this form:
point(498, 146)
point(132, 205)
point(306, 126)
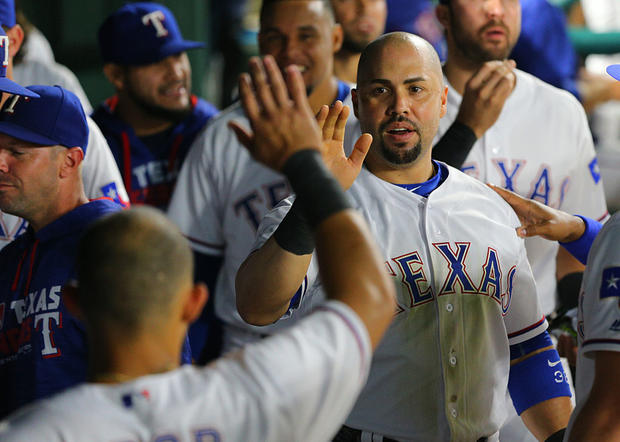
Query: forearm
point(266, 282)
point(455, 144)
point(547, 417)
point(595, 423)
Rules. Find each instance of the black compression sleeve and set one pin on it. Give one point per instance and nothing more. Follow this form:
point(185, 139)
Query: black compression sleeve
point(455, 145)
point(318, 192)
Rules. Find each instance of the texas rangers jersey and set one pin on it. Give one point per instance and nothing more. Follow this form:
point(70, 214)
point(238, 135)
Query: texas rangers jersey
point(297, 386)
point(42, 346)
point(541, 148)
point(465, 292)
point(100, 177)
point(150, 165)
point(221, 196)
point(599, 310)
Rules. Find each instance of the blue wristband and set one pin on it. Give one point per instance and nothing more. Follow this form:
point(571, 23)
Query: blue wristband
point(581, 247)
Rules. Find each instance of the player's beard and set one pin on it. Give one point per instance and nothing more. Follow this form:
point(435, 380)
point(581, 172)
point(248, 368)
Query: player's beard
point(354, 46)
point(472, 49)
point(399, 155)
point(156, 111)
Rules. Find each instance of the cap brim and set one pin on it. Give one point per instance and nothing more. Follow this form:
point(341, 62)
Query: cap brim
point(9, 86)
point(614, 71)
point(21, 133)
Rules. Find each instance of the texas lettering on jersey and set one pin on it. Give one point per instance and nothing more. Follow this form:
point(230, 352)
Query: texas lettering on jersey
point(418, 290)
point(39, 312)
point(256, 203)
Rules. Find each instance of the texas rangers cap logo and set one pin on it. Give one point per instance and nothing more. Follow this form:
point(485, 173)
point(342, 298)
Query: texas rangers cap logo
point(156, 18)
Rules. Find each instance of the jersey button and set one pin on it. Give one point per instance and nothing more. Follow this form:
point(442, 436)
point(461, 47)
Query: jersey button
point(449, 308)
point(452, 360)
point(454, 413)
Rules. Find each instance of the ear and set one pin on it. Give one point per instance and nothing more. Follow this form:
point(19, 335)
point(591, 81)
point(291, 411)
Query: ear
point(195, 302)
point(16, 38)
point(444, 102)
point(70, 299)
point(72, 158)
point(337, 37)
point(443, 15)
point(354, 100)
point(115, 75)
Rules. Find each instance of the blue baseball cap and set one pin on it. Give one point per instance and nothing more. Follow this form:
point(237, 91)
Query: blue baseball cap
point(614, 71)
point(56, 117)
point(6, 84)
point(141, 33)
point(7, 13)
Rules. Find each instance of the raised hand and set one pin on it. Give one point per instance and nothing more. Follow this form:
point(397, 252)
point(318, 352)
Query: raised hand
point(332, 121)
point(485, 94)
point(540, 220)
point(280, 117)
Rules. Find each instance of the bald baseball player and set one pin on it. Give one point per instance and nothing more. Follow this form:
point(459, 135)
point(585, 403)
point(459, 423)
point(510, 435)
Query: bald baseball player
point(362, 21)
point(153, 117)
point(42, 146)
point(467, 325)
point(100, 175)
point(222, 193)
point(296, 386)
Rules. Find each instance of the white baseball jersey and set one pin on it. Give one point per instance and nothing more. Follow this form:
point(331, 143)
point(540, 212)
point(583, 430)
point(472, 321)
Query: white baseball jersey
point(465, 292)
point(100, 176)
point(541, 148)
point(599, 309)
point(221, 195)
point(297, 386)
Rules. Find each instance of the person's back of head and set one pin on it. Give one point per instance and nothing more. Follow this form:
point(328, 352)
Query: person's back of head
point(132, 267)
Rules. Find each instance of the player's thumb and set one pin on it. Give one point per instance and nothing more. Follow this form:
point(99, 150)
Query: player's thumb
point(360, 150)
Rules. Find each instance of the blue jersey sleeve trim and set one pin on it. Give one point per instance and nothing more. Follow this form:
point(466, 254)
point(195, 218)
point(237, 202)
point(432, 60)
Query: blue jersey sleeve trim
point(581, 247)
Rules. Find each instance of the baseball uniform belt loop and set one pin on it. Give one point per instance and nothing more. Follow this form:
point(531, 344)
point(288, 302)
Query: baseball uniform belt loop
point(348, 434)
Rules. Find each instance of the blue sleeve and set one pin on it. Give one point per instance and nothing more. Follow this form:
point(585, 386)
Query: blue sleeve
point(581, 247)
point(536, 373)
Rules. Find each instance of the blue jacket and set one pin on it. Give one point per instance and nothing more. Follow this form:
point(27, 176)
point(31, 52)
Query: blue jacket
point(42, 346)
point(150, 172)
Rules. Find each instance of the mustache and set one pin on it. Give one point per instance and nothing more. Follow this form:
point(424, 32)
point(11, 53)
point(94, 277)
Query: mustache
point(399, 119)
point(493, 24)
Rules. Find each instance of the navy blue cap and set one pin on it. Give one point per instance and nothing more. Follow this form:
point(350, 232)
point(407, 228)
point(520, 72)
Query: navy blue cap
point(141, 33)
point(614, 71)
point(6, 84)
point(56, 117)
point(7, 13)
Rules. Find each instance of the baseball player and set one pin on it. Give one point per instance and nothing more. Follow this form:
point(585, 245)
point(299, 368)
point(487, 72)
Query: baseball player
point(42, 143)
point(153, 118)
point(467, 325)
point(362, 21)
point(296, 386)
point(222, 193)
point(519, 151)
point(99, 174)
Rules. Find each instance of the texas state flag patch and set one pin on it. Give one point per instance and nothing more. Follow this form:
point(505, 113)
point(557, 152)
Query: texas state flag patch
point(610, 283)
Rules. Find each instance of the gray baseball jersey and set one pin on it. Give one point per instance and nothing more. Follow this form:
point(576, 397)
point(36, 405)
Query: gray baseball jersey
point(297, 386)
point(221, 195)
point(541, 148)
point(599, 309)
point(465, 292)
point(100, 177)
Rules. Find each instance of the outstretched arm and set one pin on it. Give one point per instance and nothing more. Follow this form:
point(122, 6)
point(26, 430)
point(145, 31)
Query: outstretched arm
point(287, 138)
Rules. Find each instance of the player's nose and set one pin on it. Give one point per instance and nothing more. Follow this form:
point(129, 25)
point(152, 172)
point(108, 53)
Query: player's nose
point(399, 104)
point(494, 8)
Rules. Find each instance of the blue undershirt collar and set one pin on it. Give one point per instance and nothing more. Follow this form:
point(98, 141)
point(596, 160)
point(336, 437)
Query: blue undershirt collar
point(424, 189)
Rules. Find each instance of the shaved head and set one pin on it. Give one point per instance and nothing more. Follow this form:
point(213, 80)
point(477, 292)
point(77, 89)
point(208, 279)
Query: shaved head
point(422, 48)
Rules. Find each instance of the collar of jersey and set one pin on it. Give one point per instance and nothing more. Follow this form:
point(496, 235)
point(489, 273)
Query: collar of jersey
point(424, 189)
